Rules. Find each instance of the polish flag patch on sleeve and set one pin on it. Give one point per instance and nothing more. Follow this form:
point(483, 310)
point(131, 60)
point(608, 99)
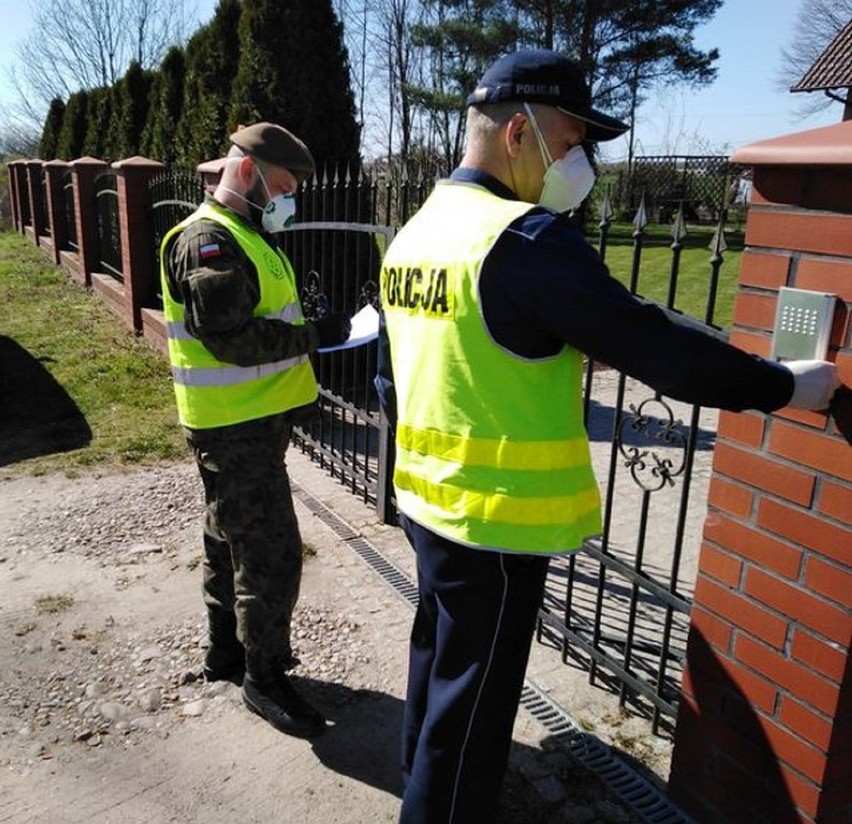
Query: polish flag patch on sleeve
point(210, 250)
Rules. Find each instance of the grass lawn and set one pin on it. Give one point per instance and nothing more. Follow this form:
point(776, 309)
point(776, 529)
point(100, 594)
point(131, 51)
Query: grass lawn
point(78, 390)
point(694, 271)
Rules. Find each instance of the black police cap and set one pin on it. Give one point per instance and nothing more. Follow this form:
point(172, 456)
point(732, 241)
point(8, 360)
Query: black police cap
point(542, 76)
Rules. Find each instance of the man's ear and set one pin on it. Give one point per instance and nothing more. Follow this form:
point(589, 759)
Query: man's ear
point(245, 169)
point(516, 133)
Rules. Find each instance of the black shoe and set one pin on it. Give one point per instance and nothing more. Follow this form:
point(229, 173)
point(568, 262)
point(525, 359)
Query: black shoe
point(277, 702)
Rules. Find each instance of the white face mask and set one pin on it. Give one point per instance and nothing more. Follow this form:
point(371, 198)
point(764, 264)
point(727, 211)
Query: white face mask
point(279, 213)
point(280, 210)
point(567, 181)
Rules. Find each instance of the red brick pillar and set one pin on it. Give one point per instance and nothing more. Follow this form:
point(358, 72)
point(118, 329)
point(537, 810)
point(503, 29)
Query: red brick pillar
point(764, 731)
point(84, 170)
point(14, 197)
point(138, 256)
point(54, 172)
point(23, 191)
point(34, 172)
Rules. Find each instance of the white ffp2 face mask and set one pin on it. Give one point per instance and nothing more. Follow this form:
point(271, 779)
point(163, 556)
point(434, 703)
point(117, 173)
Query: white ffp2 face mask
point(280, 210)
point(567, 181)
point(278, 213)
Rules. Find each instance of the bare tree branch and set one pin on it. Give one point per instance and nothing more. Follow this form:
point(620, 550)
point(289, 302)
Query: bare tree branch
point(86, 44)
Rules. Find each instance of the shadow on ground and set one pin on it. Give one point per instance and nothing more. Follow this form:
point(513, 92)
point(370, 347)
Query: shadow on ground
point(363, 744)
point(37, 416)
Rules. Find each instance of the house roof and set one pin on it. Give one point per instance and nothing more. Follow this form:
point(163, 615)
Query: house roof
point(833, 68)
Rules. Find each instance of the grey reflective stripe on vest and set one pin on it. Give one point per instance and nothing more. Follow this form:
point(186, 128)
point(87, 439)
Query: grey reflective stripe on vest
point(231, 375)
point(291, 313)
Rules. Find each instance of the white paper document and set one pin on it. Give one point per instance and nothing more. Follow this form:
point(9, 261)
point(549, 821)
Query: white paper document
point(365, 327)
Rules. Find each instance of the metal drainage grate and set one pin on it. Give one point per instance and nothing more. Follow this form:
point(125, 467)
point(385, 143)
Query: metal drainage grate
point(399, 582)
point(633, 789)
point(643, 797)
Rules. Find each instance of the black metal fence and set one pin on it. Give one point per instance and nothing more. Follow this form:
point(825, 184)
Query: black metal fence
point(41, 210)
point(109, 231)
point(68, 213)
point(24, 206)
point(341, 261)
point(620, 608)
point(174, 195)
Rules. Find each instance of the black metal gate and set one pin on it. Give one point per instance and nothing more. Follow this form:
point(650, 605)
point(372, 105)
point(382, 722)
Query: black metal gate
point(620, 607)
point(337, 266)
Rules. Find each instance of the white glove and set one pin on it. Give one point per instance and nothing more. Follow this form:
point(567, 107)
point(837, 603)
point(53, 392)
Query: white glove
point(816, 382)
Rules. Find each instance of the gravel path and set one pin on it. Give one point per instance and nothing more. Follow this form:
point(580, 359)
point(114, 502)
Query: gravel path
point(103, 716)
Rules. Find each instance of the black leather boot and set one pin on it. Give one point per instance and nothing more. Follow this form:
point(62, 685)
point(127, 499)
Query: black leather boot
point(225, 659)
point(272, 696)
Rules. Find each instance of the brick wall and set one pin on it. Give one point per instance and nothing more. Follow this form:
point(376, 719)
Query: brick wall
point(764, 732)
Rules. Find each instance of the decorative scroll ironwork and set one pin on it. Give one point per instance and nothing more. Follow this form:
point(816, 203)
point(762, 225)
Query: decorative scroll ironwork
point(369, 294)
point(650, 470)
point(314, 300)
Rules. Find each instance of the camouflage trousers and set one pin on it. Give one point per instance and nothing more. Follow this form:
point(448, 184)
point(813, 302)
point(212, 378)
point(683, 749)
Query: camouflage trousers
point(252, 546)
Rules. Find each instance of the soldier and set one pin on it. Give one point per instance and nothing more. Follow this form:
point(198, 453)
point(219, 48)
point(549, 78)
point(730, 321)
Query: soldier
point(239, 348)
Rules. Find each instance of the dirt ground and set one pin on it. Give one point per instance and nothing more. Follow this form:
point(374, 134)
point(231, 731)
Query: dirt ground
point(103, 717)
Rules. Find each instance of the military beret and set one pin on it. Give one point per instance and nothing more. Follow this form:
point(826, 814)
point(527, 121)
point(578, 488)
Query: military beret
point(275, 145)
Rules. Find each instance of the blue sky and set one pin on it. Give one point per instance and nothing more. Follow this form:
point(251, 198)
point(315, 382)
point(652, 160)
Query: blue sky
point(742, 106)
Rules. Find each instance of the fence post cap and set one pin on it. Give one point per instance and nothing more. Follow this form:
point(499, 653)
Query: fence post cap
point(823, 146)
point(87, 161)
point(137, 162)
point(214, 166)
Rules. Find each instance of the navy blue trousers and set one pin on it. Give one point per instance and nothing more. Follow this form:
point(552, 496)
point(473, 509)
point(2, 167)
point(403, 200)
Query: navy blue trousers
point(468, 654)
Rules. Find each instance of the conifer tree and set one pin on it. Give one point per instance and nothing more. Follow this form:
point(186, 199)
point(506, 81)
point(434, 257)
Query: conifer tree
point(98, 117)
point(113, 140)
point(294, 71)
point(158, 137)
point(211, 60)
point(50, 132)
point(462, 37)
point(625, 47)
point(128, 113)
point(70, 142)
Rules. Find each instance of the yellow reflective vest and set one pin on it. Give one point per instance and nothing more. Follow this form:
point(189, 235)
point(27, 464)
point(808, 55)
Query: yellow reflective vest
point(490, 447)
point(211, 393)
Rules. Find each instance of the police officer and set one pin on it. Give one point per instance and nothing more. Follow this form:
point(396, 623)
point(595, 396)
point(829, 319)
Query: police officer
point(489, 297)
point(239, 348)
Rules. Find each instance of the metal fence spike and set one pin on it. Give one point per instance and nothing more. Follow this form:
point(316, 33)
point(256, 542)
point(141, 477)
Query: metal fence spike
point(607, 212)
point(718, 242)
point(641, 219)
point(679, 230)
